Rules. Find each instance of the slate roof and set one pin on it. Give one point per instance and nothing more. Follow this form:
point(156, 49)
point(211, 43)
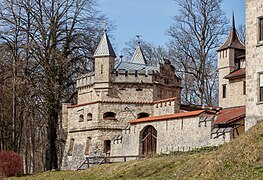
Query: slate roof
point(104, 48)
point(240, 73)
point(229, 115)
point(233, 40)
point(168, 116)
point(138, 56)
point(124, 65)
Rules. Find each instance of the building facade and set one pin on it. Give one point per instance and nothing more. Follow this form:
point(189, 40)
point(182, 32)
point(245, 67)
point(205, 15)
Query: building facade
point(133, 108)
point(254, 62)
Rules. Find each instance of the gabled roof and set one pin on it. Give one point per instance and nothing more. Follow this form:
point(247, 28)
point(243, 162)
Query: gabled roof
point(233, 40)
point(230, 115)
point(240, 73)
point(104, 48)
point(168, 116)
point(138, 56)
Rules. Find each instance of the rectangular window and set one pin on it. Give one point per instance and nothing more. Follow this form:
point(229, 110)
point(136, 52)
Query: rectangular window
point(87, 149)
point(224, 90)
point(244, 87)
point(261, 87)
point(107, 147)
point(261, 29)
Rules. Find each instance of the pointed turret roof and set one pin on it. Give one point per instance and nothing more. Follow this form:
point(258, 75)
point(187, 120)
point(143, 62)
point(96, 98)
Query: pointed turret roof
point(104, 48)
point(138, 56)
point(233, 40)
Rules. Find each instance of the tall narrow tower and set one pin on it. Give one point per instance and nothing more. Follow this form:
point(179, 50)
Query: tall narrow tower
point(104, 63)
point(230, 58)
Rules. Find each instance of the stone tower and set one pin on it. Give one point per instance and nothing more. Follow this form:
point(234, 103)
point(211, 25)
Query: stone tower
point(254, 62)
point(104, 64)
point(231, 67)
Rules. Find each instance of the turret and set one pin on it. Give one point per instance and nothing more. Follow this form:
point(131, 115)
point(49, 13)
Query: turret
point(104, 63)
point(228, 61)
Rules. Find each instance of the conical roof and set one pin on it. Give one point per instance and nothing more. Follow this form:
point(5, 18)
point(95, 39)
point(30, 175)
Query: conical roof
point(104, 48)
point(138, 56)
point(233, 40)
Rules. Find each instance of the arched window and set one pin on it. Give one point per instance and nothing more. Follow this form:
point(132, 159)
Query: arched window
point(142, 115)
point(81, 118)
point(109, 116)
point(89, 117)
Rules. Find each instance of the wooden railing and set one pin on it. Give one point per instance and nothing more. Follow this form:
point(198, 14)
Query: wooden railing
point(97, 160)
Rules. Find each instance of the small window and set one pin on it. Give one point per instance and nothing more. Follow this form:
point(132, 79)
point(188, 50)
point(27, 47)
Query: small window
point(142, 115)
point(224, 90)
point(101, 69)
point(261, 29)
point(261, 87)
point(107, 147)
point(109, 116)
point(89, 117)
point(70, 149)
point(244, 87)
point(136, 73)
point(87, 149)
point(81, 118)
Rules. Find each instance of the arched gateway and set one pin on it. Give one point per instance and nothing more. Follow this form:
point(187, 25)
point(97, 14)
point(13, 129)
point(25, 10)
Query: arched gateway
point(149, 141)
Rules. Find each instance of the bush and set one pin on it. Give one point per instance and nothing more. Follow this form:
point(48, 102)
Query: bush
point(11, 164)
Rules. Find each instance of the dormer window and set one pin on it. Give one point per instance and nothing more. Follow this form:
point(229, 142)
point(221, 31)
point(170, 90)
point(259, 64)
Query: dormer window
point(109, 116)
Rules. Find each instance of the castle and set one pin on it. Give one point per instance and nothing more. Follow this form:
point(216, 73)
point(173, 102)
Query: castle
point(133, 108)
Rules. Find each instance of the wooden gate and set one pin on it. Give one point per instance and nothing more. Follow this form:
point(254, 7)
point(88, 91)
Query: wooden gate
point(149, 141)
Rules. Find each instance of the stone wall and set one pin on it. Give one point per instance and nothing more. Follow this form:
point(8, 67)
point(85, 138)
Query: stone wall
point(254, 65)
point(182, 134)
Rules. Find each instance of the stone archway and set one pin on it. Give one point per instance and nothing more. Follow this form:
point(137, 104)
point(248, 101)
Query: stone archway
point(149, 141)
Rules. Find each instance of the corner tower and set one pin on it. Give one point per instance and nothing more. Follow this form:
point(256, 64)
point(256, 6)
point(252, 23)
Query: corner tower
point(104, 63)
point(231, 68)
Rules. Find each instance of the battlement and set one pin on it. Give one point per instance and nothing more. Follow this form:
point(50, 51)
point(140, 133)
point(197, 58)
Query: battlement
point(166, 106)
point(85, 80)
point(134, 76)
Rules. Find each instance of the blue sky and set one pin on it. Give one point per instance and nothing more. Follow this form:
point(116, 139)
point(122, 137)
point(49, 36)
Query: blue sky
point(152, 18)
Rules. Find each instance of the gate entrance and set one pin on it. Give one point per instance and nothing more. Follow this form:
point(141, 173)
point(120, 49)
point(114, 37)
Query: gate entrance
point(149, 141)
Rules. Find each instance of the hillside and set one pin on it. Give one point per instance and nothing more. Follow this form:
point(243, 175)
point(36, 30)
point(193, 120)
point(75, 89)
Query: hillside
point(242, 158)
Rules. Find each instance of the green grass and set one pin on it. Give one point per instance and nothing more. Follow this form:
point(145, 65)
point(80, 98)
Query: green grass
point(242, 158)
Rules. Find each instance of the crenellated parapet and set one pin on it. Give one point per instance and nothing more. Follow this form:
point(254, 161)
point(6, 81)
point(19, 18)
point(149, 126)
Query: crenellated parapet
point(166, 106)
point(85, 80)
point(134, 76)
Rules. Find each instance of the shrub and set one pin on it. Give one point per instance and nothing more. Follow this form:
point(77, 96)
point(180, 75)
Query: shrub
point(11, 164)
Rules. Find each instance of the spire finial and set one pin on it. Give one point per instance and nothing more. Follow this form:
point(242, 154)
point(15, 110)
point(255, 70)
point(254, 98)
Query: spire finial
point(138, 38)
point(105, 25)
point(233, 20)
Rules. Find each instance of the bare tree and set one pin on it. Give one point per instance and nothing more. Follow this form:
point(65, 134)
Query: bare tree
point(195, 34)
point(49, 43)
point(242, 32)
point(153, 54)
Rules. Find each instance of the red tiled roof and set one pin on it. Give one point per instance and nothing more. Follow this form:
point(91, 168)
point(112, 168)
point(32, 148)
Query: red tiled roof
point(238, 73)
point(164, 100)
point(169, 116)
point(229, 115)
